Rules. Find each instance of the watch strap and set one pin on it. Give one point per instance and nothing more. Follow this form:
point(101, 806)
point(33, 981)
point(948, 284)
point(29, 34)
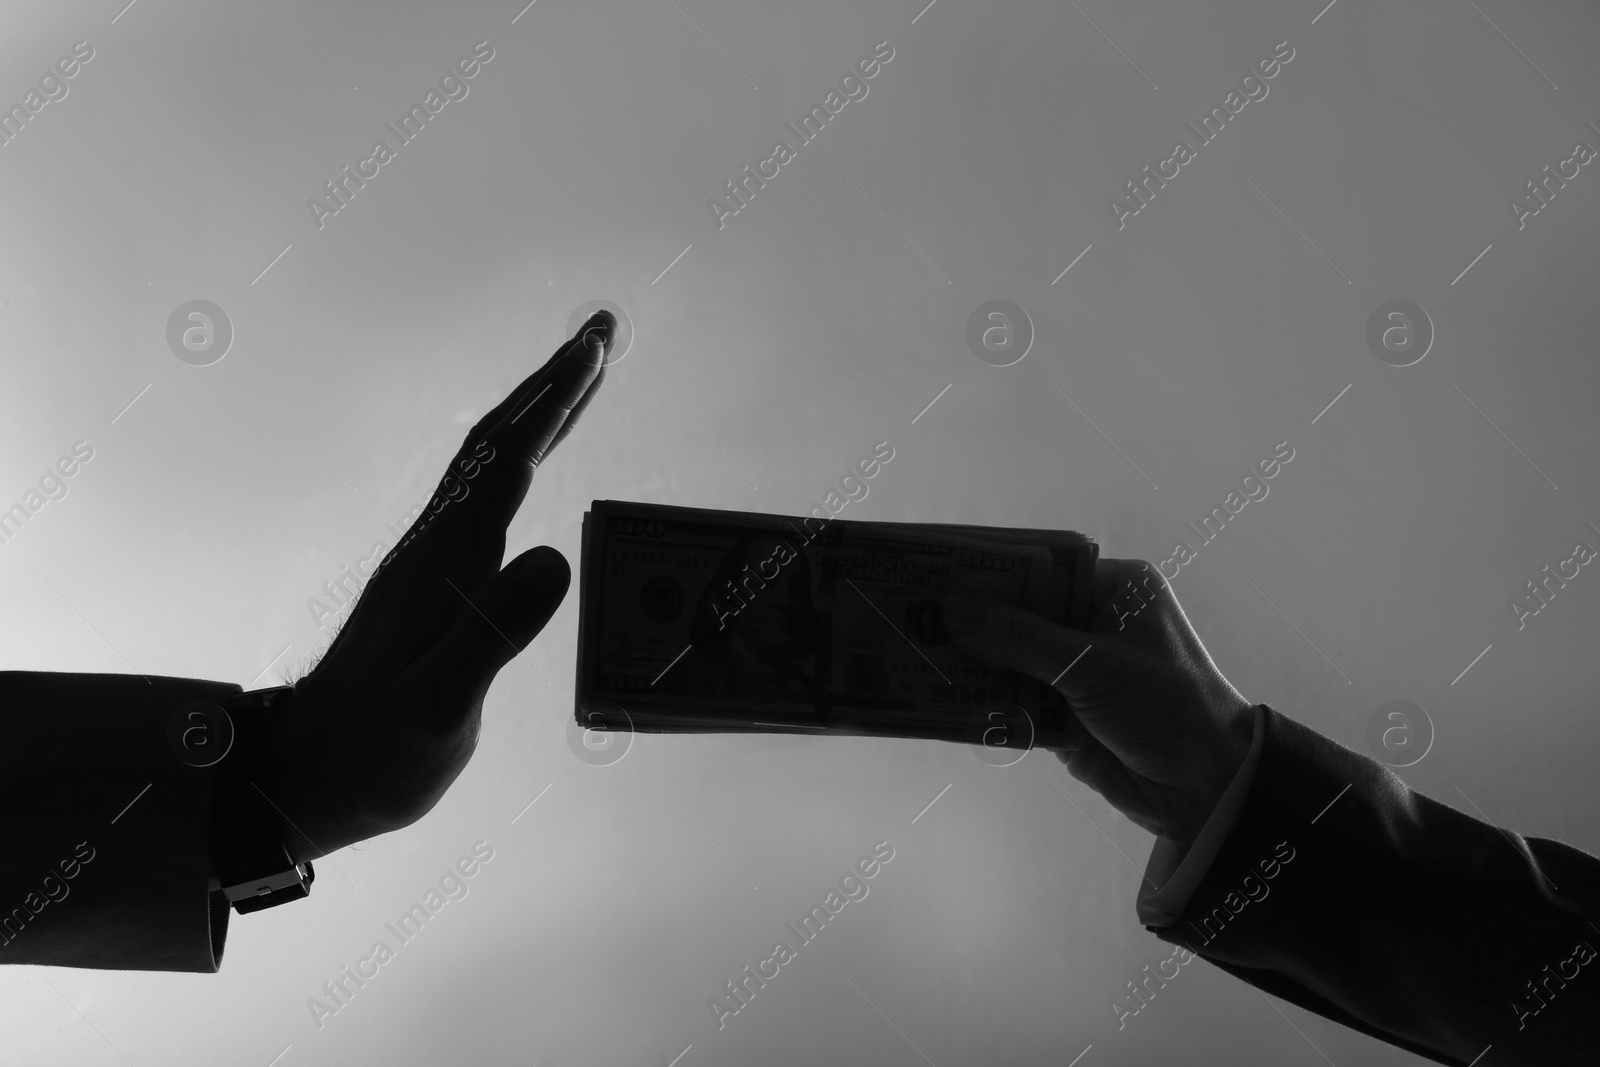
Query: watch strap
point(248, 854)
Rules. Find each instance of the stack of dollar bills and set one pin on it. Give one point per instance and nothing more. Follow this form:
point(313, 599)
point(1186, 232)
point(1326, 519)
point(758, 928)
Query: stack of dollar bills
point(695, 620)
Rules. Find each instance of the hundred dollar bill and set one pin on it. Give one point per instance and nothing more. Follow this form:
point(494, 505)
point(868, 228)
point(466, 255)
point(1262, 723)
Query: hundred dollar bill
point(694, 620)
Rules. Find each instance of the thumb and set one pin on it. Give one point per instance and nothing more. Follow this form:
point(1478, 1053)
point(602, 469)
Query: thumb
point(505, 614)
point(1003, 635)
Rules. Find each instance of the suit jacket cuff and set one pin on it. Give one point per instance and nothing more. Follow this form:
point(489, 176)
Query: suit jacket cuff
point(106, 863)
point(1175, 870)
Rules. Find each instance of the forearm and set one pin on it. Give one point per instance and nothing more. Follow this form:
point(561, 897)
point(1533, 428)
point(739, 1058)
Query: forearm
point(1343, 891)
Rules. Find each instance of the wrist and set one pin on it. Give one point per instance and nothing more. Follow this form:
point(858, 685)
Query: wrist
point(1229, 746)
point(251, 862)
point(1236, 722)
point(319, 796)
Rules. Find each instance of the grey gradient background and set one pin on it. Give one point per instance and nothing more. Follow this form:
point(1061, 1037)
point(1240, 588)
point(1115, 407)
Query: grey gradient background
point(1196, 338)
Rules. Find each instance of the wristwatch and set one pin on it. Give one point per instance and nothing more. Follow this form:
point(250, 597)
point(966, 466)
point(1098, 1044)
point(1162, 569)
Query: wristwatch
point(248, 855)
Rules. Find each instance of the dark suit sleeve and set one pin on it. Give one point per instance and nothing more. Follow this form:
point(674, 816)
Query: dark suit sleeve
point(1345, 892)
point(105, 860)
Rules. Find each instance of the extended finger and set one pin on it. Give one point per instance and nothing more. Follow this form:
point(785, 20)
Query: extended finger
point(461, 531)
point(530, 423)
point(489, 477)
point(577, 412)
point(602, 323)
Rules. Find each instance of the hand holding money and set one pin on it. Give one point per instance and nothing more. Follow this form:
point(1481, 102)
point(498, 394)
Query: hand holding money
point(1159, 732)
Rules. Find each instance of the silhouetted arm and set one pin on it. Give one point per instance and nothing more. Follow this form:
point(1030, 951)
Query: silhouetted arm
point(1300, 866)
point(1399, 916)
point(107, 842)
